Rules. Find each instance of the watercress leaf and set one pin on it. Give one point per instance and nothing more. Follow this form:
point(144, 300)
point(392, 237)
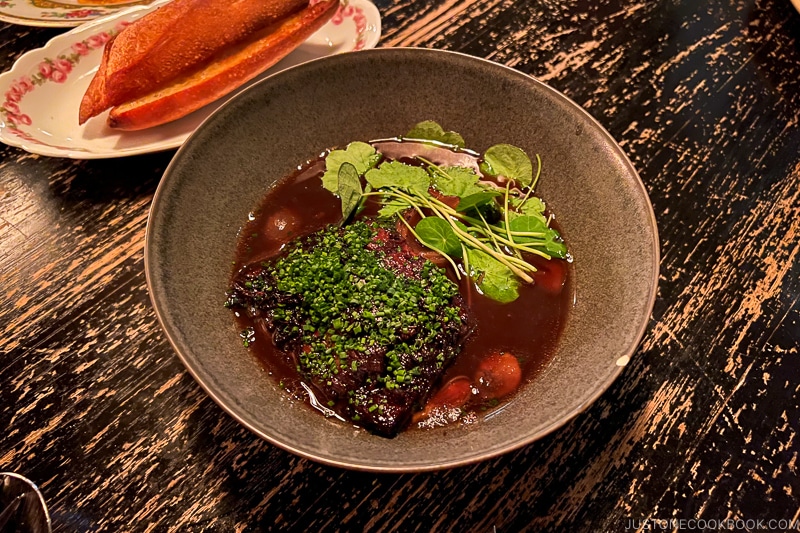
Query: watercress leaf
point(455, 181)
point(349, 189)
point(359, 154)
point(528, 224)
point(393, 207)
point(437, 233)
point(431, 131)
point(554, 244)
point(532, 206)
point(476, 200)
point(494, 279)
point(396, 174)
point(509, 161)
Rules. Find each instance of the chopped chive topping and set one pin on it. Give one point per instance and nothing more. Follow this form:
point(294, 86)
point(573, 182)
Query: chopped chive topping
point(351, 303)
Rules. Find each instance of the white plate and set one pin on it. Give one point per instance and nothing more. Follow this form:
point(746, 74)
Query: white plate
point(43, 90)
point(60, 13)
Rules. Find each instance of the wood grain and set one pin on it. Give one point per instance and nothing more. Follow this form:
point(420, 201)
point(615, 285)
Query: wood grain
point(705, 99)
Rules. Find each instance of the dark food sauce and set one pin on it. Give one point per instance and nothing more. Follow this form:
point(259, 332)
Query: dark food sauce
point(528, 328)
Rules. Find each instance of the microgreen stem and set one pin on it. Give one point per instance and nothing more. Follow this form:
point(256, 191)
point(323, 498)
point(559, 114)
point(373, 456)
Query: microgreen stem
point(538, 173)
point(446, 213)
point(503, 258)
point(465, 261)
point(535, 179)
point(442, 209)
point(523, 247)
point(505, 214)
point(491, 234)
point(397, 194)
point(433, 165)
point(513, 244)
point(510, 243)
point(528, 233)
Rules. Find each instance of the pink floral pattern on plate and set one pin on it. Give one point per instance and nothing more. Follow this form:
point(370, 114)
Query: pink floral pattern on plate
point(360, 19)
point(74, 14)
point(49, 70)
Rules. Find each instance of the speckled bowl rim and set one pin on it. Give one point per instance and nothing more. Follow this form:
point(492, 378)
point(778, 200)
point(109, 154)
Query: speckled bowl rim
point(587, 400)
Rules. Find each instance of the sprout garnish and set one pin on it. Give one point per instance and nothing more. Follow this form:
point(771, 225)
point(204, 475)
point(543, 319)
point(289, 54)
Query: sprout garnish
point(489, 228)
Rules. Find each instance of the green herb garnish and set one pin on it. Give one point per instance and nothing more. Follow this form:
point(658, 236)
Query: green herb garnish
point(431, 131)
point(359, 154)
point(437, 234)
point(489, 228)
point(337, 299)
point(454, 181)
point(413, 180)
point(497, 281)
point(476, 200)
point(349, 189)
point(508, 161)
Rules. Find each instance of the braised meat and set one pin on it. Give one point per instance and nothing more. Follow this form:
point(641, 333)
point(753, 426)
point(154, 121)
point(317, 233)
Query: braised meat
point(370, 325)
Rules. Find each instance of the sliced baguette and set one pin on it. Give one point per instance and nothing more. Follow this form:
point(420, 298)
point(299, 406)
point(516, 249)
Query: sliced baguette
point(94, 100)
point(235, 67)
point(176, 39)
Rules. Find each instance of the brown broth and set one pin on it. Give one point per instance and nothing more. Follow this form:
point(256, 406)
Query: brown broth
point(528, 328)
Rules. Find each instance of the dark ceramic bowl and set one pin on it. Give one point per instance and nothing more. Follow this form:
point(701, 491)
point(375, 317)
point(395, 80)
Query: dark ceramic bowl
point(227, 165)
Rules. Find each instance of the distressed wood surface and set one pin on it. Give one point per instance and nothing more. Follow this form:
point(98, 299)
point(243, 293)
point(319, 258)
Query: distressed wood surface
point(705, 99)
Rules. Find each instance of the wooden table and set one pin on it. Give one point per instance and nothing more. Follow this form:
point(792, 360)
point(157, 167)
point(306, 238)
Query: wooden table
point(701, 425)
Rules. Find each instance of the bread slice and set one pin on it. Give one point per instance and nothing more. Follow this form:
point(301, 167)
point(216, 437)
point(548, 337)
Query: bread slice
point(228, 71)
point(94, 100)
point(172, 41)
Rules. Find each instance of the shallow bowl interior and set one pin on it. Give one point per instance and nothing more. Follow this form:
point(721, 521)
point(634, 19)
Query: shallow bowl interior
point(227, 166)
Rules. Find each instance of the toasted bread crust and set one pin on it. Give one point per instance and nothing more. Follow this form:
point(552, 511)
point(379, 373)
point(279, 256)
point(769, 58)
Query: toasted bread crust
point(228, 71)
point(94, 100)
point(178, 38)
